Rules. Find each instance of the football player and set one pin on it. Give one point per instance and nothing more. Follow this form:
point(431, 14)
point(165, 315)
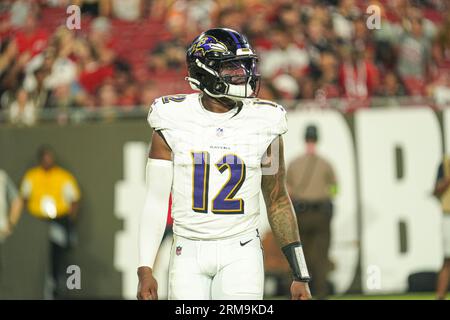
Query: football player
point(215, 151)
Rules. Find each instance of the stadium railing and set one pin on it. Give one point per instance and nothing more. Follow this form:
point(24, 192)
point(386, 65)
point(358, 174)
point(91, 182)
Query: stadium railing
point(117, 113)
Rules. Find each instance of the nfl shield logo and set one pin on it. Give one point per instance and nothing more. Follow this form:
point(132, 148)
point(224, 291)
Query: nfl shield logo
point(178, 250)
point(219, 132)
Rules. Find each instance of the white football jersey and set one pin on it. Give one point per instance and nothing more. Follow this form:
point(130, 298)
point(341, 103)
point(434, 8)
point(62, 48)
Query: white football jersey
point(217, 162)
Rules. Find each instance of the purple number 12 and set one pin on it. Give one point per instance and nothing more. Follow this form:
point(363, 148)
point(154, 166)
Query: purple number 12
point(223, 202)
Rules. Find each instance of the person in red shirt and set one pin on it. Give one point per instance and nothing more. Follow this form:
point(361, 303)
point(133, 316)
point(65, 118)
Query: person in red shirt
point(358, 76)
point(97, 56)
point(30, 37)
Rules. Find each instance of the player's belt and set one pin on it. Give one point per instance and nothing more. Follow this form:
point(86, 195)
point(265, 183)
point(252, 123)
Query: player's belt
point(302, 206)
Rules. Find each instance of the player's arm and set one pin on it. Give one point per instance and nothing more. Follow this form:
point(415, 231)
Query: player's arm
point(159, 174)
point(15, 212)
point(441, 186)
point(283, 221)
point(16, 206)
point(442, 182)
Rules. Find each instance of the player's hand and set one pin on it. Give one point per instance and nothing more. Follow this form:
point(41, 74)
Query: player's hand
point(148, 287)
point(300, 291)
point(5, 232)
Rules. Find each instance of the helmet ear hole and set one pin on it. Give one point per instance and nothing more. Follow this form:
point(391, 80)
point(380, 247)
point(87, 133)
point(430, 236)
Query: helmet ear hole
point(202, 79)
point(220, 87)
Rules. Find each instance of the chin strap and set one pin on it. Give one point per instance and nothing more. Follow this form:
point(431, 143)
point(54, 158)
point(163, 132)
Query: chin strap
point(196, 85)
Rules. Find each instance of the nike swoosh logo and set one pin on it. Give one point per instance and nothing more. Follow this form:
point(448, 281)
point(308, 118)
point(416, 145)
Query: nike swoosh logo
point(244, 243)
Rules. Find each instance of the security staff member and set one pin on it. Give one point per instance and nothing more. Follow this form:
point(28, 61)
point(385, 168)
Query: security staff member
point(52, 194)
point(312, 184)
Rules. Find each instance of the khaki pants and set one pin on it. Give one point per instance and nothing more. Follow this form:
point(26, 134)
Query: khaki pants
point(315, 236)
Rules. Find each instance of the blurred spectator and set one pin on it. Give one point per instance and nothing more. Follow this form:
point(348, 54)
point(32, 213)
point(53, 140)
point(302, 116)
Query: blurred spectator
point(441, 47)
point(129, 96)
point(316, 43)
point(8, 51)
point(257, 29)
point(10, 207)
point(318, 10)
point(52, 75)
point(57, 3)
point(107, 96)
point(149, 92)
point(169, 54)
point(199, 11)
point(294, 39)
point(64, 69)
point(308, 88)
point(361, 34)
point(158, 10)
point(312, 184)
point(229, 15)
point(385, 55)
point(14, 74)
point(39, 94)
point(289, 17)
point(129, 10)
point(19, 12)
point(51, 193)
point(192, 15)
point(389, 30)
point(284, 56)
point(122, 75)
point(37, 71)
point(90, 73)
point(385, 40)
point(286, 86)
point(358, 76)
point(30, 38)
point(345, 13)
point(391, 86)
point(439, 88)
point(61, 98)
point(328, 80)
point(177, 23)
point(95, 56)
point(414, 53)
point(233, 18)
point(101, 38)
point(94, 8)
point(7, 54)
point(22, 110)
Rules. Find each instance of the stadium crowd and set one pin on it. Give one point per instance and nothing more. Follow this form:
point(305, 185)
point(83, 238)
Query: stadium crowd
point(128, 52)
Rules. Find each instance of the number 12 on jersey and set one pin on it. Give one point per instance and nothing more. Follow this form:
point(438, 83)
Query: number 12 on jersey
point(223, 202)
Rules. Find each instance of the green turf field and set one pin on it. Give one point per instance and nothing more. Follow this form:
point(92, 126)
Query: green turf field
point(410, 296)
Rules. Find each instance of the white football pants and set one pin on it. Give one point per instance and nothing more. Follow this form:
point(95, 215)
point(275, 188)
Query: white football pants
point(229, 269)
